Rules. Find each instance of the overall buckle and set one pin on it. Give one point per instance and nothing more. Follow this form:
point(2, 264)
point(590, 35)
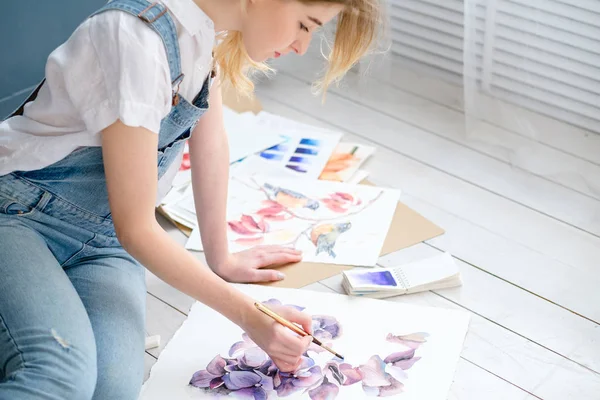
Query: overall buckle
point(142, 15)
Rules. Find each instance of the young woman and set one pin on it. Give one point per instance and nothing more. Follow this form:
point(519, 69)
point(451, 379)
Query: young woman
point(81, 163)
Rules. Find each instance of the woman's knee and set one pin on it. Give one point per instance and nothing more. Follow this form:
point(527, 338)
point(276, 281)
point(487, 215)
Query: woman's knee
point(121, 381)
point(50, 366)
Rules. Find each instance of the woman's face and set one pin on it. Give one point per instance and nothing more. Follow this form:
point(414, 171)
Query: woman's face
point(272, 28)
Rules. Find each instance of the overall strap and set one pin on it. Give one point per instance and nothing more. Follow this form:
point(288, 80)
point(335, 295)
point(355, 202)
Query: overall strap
point(156, 16)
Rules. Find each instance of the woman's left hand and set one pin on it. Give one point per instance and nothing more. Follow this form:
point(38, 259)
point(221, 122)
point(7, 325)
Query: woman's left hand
point(249, 265)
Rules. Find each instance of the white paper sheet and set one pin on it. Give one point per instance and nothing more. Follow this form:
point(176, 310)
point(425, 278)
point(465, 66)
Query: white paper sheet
point(428, 341)
point(358, 176)
point(331, 222)
point(246, 136)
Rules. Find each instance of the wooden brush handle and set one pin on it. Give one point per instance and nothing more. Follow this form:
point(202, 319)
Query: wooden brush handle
point(280, 319)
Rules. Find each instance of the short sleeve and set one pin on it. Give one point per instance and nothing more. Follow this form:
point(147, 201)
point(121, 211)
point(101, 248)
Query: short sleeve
point(122, 73)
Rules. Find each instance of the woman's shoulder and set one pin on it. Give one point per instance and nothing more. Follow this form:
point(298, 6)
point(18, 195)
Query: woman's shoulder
point(121, 30)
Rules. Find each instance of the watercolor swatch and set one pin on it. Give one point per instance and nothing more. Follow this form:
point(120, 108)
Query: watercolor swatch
point(405, 352)
point(330, 222)
point(345, 161)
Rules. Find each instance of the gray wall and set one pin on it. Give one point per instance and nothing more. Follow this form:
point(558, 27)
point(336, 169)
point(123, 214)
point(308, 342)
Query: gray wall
point(29, 31)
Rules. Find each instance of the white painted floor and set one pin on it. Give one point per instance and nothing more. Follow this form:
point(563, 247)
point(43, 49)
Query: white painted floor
point(521, 214)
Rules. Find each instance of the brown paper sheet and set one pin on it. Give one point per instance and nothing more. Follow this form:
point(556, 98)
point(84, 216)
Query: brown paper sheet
point(406, 229)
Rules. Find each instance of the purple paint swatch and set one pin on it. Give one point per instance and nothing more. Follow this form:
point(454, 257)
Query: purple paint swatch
point(303, 150)
point(296, 168)
point(378, 278)
point(301, 160)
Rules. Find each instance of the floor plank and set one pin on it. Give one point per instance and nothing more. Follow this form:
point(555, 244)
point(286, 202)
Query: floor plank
point(513, 243)
point(501, 144)
point(163, 320)
point(474, 383)
point(518, 186)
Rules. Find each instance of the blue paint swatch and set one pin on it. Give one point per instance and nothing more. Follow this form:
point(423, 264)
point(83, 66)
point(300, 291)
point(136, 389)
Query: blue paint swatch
point(301, 160)
point(375, 278)
point(310, 142)
point(272, 156)
point(303, 150)
point(279, 147)
point(296, 168)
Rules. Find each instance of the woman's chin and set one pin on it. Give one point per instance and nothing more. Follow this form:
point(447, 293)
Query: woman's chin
point(261, 57)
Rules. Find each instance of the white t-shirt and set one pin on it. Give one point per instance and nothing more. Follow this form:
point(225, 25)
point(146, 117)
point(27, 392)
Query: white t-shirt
point(112, 67)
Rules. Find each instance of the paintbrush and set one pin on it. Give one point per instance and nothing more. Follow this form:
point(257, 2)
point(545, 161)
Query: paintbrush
point(293, 327)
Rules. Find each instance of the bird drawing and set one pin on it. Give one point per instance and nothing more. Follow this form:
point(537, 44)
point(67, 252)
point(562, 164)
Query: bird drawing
point(289, 198)
point(324, 236)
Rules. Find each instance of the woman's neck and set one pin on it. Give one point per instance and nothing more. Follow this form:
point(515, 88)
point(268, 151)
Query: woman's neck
point(225, 14)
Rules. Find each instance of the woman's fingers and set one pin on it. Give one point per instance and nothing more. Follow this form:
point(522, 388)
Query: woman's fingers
point(265, 275)
point(285, 366)
point(294, 315)
point(268, 259)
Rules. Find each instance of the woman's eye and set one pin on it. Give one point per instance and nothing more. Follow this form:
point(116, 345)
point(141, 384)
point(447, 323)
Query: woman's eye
point(304, 27)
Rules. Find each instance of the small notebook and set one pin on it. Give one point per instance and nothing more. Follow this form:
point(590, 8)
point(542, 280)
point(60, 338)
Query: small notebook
point(432, 273)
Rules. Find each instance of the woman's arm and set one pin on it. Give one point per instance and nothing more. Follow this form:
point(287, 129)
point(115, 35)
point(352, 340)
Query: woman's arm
point(131, 170)
point(209, 156)
point(130, 165)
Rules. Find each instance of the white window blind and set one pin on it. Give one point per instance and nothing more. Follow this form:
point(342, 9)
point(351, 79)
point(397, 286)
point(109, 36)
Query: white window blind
point(543, 55)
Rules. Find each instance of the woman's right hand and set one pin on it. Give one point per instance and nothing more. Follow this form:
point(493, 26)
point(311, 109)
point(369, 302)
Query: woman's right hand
point(283, 346)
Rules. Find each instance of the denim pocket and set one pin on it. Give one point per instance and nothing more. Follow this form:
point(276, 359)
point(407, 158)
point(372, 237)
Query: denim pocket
point(11, 207)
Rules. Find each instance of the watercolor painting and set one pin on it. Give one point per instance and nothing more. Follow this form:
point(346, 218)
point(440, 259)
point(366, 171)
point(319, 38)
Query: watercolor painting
point(345, 161)
point(330, 222)
point(391, 350)
point(248, 372)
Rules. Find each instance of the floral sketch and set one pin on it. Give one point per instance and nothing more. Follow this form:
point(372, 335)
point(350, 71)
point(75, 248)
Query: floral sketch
point(315, 218)
point(248, 373)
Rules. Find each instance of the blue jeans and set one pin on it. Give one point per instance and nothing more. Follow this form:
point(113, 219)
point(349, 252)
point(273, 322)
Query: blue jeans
point(72, 309)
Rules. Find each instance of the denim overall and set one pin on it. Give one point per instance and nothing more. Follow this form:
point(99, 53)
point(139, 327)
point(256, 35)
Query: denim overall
point(72, 301)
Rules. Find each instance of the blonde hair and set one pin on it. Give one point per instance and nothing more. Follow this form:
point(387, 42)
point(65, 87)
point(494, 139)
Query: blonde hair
point(356, 31)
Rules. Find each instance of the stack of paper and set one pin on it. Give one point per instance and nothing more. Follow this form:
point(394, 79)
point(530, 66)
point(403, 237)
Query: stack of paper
point(433, 273)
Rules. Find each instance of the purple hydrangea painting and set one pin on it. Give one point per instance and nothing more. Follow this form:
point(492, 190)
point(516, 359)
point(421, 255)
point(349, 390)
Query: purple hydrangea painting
point(248, 373)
